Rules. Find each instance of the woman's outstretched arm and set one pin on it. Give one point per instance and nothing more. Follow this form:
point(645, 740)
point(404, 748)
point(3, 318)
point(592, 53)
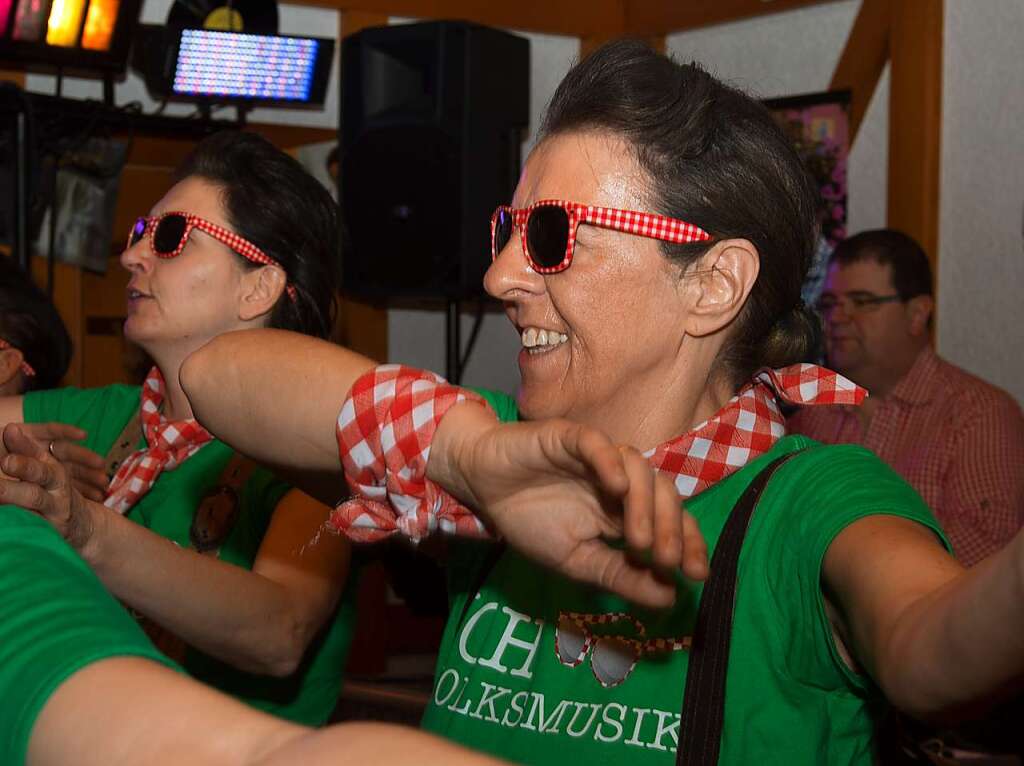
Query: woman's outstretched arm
point(129, 710)
point(274, 396)
point(943, 642)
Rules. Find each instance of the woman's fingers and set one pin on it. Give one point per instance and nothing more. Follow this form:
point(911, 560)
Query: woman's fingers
point(615, 571)
point(18, 441)
point(25, 494)
point(639, 503)
point(597, 452)
point(669, 540)
point(47, 432)
point(695, 550)
point(69, 452)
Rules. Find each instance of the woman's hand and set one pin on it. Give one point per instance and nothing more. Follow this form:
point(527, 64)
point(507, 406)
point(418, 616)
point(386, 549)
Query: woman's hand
point(43, 485)
point(84, 466)
point(560, 492)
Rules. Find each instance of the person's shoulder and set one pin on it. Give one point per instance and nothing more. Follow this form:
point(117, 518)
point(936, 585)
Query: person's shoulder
point(826, 487)
point(67, 403)
point(840, 474)
point(974, 393)
point(814, 421)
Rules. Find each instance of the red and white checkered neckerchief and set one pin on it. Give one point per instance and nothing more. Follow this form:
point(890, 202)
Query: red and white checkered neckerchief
point(169, 445)
point(388, 420)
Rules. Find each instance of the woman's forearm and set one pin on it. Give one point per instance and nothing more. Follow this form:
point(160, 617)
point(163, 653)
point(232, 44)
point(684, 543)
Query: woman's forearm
point(273, 395)
point(960, 649)
point(242, 617)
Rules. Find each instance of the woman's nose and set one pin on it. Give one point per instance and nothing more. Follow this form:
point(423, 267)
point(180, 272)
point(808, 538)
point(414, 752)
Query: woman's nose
point(138, 256)
point(510, 271)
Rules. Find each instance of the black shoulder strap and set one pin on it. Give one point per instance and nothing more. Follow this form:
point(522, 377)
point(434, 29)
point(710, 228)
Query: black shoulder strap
point(703, 712)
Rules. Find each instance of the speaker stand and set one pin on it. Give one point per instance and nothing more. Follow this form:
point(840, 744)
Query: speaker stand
point(453, 344)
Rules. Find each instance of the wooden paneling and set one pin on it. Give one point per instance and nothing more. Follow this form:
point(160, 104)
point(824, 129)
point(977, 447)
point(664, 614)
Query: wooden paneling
point(864, 57)
point(915, 121)
point(574, 18)
point(646, 18)
point(67, 297)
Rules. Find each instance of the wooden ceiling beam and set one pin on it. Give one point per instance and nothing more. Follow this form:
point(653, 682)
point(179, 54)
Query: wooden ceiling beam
point(915, 121)
point(645, 18)
point(864, 58)
point(574, 18)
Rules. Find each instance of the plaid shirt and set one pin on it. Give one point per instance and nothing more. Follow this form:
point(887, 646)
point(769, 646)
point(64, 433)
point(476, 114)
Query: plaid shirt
point(956, 439)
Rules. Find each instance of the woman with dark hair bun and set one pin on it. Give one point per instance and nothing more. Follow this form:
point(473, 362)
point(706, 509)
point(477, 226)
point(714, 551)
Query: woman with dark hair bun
point(650, 261)
point(212, 553)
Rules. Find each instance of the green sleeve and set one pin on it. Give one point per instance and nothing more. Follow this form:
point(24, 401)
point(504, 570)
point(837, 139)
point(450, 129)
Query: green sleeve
point(822, 492)
point(55, 619)
point(101, 412)
point(503, 405)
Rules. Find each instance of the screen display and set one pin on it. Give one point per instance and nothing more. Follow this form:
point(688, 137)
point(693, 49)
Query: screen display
point(238, 65)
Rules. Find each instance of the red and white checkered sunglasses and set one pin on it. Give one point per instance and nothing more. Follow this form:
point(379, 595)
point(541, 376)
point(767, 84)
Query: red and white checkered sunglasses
point(168, 235)
point(24, 366)
point(548, 229)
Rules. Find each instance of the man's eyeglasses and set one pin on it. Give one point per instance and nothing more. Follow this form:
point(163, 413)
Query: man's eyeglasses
point(548, 229)
point(612, 658)
point(25, 367)
point(859, 302)
point(168, 235)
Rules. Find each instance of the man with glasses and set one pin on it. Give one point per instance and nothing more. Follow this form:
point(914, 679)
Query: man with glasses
point(957, 439)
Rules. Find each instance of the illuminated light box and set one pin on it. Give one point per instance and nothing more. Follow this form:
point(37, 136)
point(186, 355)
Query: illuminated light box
point(213, 65)
point(99, 25)
point(30, 20)
point(64, 22)
point(82, 36)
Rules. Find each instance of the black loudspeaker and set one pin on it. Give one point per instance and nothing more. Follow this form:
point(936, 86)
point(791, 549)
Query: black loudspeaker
point(431, 122)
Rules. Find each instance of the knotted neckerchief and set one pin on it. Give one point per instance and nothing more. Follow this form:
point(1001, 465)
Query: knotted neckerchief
point(387, 423)
point(748, 425)
point(169, 445)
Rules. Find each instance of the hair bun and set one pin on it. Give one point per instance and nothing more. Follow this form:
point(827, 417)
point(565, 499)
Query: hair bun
point(795, 337)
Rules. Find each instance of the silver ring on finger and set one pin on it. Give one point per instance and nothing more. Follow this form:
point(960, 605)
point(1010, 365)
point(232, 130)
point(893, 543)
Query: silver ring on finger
point(49, 449)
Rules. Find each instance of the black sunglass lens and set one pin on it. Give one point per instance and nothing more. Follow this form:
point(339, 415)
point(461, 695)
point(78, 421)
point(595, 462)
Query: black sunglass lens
point(547, 234)
point(168, 233)
point(502, 231)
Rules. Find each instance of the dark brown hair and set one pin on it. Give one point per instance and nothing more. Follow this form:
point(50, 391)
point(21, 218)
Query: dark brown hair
point(911, 272)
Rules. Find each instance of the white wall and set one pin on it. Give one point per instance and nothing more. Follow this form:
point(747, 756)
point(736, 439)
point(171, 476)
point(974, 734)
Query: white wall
point(981, 249)
point(792, 53)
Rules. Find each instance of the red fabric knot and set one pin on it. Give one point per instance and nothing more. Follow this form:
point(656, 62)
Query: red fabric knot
point(169, 444)
point(384, 432)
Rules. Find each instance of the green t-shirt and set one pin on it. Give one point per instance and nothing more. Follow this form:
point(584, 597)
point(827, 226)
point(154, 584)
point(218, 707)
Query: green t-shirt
point(55, 619)
point(502, 687)
point(307, 696)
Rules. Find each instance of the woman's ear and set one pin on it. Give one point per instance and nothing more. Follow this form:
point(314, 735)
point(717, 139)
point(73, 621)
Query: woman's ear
point(10, 368)
point(261, 289)
point(719, 283)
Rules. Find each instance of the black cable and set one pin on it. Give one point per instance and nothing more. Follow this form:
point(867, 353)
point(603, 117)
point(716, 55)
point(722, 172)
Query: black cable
point(473, 334)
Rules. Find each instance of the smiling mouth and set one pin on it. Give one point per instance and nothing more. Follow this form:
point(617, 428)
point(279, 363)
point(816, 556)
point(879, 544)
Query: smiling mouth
point(136, 294)
point(538, 341)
